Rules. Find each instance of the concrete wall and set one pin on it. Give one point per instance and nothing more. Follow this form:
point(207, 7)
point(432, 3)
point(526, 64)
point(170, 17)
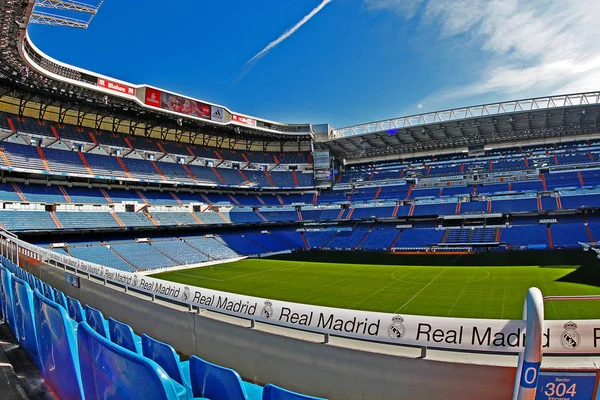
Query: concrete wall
point(341, 369)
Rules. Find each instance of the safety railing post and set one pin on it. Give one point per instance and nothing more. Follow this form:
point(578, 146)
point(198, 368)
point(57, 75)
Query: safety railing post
point(530, 359)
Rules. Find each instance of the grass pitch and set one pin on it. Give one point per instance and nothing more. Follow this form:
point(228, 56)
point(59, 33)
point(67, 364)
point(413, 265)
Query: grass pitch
point(468, 292)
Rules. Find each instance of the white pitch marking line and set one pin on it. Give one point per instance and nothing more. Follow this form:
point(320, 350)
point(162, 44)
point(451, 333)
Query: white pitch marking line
point(419, 292)
point(461, 293)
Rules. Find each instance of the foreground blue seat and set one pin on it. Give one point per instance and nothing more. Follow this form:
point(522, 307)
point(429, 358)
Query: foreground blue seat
point(165, 356)
point(75, 310)
point(7, 299)
point(57, 339)
point(31, 281)
point(215, 382)
point(24, 319)
point(272, 392)
point(123, 335)
point(60, 298)
point(39, 285)
point(112, 372)
point(48, 291)
point(96, 320)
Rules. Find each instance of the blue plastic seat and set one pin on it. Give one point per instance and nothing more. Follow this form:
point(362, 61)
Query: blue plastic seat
point(24, 318)
point(165, 356)
point(215, 382)
point(272, 392)
point(7, 300)
point(75, 310)
point(31, 281)
point(123, 335)
point(57, 339)
point(48, 291)
point(60, 298)
point(96, 320)
point(112, 372)
point(39, 285)
point(2, 312)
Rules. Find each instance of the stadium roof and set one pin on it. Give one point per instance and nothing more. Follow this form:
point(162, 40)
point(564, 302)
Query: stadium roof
point(496, 123)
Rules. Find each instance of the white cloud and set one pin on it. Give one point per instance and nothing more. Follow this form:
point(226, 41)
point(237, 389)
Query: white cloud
point(407, 8)
point(530, 47)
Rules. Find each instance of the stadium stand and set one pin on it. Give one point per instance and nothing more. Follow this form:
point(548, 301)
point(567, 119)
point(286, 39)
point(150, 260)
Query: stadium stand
point(50, 337)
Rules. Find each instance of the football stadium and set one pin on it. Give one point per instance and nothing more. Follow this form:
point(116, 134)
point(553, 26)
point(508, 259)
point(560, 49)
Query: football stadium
point(158, 246)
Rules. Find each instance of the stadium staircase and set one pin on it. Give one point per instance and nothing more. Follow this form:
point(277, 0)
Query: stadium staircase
point(117, 219)
point(85, 163)
point(270, 179)
point(150, 217)
point(198, 220)
point(306, 245)
point(157, 169)
point(391, 246)
point(189, 172)
point(123, 167)
point(260, 215)
point(18, 191)
point(135, 267)
point(164, 254)
point(364, 237)
point(55, 219)
point(65, 194)
point(106, 196)
point(43, 158)
point(197, 249)
point(330, 239)
point(218, 175)
point(244, 177)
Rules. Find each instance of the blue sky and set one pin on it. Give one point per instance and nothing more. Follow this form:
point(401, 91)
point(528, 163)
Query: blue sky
point(353, 61)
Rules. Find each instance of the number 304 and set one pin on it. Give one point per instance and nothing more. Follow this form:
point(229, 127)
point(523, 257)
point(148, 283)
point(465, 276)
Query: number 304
point(552, 389)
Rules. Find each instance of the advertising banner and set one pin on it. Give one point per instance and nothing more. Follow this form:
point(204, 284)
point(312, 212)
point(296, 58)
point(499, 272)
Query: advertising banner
point(178, 104)
point(183, 105)
point(114, 86)
point(217, 114)
point(153, 97)
point(243, 120)
point(471, 334)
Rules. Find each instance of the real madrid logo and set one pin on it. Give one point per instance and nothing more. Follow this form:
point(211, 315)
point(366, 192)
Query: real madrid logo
point(135, 280)
point(186, 293)
point(397, 329)
point(570, 338)
point(267, 310)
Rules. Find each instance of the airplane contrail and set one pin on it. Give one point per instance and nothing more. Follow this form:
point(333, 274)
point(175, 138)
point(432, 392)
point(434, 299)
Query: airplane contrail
point(289, 32)
point(248, 65)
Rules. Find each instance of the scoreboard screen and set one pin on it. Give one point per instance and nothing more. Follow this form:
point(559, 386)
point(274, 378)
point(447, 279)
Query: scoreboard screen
point(321, 159)
point(566, 385)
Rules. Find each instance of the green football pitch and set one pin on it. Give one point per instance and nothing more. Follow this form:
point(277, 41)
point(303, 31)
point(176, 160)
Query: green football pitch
point(449, 291)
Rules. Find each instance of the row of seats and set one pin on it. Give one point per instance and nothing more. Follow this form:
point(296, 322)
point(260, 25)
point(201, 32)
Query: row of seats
point(82, 355)
point(61, 161)
point(133, 256)
point(90, 136)
point(455, 164)
point(21, 220)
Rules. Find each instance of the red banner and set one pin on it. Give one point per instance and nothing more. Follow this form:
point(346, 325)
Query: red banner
point(243, 120)
point(117, 87)
point(153, 97)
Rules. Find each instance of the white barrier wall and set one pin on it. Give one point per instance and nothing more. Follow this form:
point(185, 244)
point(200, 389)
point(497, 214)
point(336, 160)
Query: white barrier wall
point(470, 334)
